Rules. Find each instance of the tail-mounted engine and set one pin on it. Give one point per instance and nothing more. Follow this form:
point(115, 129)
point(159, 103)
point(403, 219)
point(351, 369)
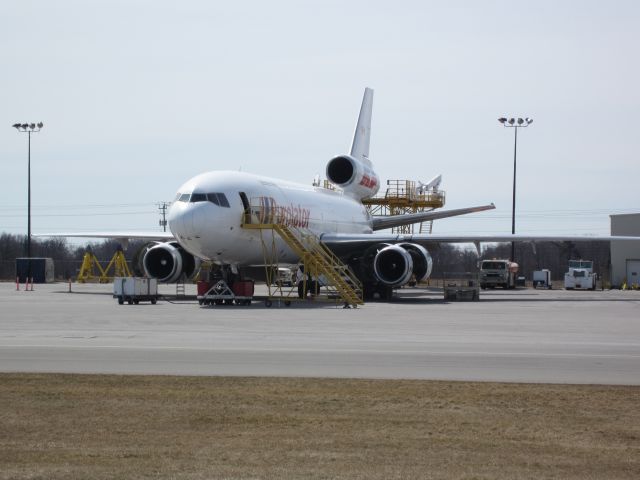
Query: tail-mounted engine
point(394, 265)
point(353, 176)
point(168, 261)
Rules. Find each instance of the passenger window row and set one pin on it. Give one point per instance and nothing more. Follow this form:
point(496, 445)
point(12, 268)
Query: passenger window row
point(219, 199)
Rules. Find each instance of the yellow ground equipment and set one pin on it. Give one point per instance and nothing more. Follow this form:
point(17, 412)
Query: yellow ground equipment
point(92, 272)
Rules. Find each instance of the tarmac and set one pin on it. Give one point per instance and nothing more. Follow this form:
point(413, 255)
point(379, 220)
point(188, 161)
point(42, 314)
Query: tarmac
point(524, 335)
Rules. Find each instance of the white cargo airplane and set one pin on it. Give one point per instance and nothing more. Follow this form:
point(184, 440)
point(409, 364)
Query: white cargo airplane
point(208, 212)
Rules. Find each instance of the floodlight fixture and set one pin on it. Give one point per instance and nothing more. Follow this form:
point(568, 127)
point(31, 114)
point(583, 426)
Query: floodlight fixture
point(512, 121)
point(520, 121)
point(501, 120)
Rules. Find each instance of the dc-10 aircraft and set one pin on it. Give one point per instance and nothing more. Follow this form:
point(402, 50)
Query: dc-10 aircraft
point(208, 212)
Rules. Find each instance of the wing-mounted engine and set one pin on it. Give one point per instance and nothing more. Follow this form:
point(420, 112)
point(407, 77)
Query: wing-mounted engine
point(168, 261)
point(395, 265)
point(353, 176)
point(422, 263)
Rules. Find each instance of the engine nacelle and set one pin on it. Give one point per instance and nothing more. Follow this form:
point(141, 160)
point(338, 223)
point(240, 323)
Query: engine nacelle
point(393, 266)
point(422, 263)
point(167, 261)
point(353, 176)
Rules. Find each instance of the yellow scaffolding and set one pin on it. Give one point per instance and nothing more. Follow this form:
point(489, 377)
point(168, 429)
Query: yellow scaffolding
point(402, 197)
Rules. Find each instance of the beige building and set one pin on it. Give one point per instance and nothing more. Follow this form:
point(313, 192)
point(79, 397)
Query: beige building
point(625, 256)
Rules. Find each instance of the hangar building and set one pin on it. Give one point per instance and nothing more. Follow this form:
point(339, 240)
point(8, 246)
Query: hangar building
point(625, 256)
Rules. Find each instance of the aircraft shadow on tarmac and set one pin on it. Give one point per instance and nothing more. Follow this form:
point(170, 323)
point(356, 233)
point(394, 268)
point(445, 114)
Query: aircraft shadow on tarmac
point(435, 297)
point(431, 297)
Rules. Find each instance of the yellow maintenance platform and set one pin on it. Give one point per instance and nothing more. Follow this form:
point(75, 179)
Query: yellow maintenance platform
point(402, 197)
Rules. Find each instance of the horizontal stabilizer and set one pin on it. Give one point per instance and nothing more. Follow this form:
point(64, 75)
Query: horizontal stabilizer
point(391, 221)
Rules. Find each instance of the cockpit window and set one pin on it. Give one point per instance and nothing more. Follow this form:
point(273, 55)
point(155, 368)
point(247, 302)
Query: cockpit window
point(223, 200)
point(219, 199)
point(184, 197)
point(198, 197)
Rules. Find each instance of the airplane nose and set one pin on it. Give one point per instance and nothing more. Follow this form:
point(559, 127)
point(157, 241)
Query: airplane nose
point(179, 219)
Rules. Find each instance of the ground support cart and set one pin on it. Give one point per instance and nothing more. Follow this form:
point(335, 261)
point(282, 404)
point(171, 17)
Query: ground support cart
point(135, 290)
point(219, 293)
point(461, 286)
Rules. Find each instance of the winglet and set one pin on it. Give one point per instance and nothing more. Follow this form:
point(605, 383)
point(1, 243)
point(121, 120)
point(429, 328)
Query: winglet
point(362, 135)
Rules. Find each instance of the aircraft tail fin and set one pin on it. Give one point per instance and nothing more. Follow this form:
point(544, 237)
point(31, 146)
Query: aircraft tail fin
point(354, 173)
point(362, 135)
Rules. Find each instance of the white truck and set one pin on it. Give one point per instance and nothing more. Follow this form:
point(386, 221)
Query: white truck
point(498, 273)
point(580, 275)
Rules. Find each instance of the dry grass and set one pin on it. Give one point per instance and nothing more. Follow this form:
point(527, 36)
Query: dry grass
point(82, 426)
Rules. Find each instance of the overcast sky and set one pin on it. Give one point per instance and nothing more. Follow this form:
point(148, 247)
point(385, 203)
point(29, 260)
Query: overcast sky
point(139, 96)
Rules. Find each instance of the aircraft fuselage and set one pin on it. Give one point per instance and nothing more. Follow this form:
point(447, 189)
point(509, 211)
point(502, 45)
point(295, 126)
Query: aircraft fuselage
point(209, 211)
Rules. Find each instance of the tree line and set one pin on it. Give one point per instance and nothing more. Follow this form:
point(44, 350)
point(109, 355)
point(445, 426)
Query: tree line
point(446, 257)
point(67, 258)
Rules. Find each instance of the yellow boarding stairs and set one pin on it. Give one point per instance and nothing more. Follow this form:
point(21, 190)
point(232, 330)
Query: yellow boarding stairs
point(317, 259)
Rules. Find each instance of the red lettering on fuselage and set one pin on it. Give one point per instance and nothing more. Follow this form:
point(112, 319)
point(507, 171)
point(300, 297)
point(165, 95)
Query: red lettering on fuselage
point(369, 182)
point(290, 215)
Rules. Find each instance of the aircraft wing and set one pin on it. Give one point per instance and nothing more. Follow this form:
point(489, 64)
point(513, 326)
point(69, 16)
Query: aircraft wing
point(344, 243)
point(113, 235)
point(390, 221)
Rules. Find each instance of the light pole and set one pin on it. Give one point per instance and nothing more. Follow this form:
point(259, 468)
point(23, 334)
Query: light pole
point(28, 128)
point(515, 124)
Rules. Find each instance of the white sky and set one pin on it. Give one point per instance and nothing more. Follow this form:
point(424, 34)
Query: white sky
point(139, 96)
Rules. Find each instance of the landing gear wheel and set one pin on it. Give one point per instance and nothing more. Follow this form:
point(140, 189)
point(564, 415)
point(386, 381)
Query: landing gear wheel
point(287, 303)
point(154, 301)
point(267, 303)
point(120, 300)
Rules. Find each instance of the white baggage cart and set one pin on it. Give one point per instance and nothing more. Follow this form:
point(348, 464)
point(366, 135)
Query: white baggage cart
point(135, 290)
